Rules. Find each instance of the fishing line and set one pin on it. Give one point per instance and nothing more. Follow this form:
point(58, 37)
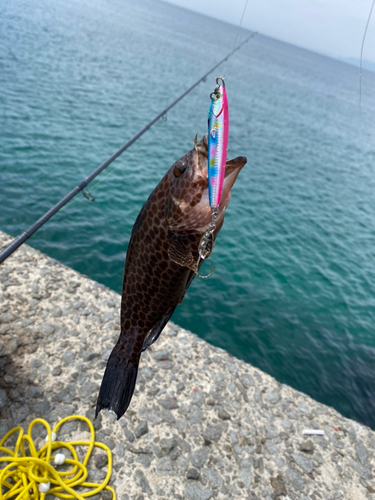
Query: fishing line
point(237, 33)
point(363, 43)
point(19, 240)
point(110, 172)
point(217, 139)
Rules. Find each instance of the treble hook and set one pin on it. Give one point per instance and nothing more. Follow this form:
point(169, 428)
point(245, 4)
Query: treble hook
point(208, 275)
point(204, 250)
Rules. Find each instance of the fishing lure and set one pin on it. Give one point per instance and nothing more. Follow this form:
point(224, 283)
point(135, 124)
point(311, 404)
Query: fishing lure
point(218, 130)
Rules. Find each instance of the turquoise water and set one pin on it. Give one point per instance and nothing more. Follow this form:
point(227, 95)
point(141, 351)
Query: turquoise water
point(294, 279)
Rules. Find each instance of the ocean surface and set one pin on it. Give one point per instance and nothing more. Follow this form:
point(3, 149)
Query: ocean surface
point(293, 288)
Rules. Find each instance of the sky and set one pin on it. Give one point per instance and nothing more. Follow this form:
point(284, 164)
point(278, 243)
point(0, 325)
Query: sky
point(331, 27)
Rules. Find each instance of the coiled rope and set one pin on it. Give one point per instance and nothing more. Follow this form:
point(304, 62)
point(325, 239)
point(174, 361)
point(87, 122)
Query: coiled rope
point(31, 474)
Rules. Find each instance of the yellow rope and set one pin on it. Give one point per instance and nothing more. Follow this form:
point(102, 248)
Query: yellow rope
point(26, 468)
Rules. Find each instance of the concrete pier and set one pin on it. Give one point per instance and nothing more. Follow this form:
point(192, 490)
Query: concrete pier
point(202, 424)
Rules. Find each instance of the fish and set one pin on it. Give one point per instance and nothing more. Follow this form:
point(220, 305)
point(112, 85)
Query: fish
point(161, 261)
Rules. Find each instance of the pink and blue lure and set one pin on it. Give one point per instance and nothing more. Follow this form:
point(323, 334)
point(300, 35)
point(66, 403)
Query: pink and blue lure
point(218, 130)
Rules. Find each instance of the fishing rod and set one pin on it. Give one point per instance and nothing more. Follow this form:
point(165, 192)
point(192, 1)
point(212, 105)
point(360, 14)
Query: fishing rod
point(19, 240)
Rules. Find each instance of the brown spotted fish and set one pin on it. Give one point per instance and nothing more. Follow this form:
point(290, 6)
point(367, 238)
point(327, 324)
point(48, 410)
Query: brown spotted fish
point(161, 262)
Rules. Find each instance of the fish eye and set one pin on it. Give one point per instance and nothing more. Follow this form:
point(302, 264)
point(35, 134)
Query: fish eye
point(180, 169)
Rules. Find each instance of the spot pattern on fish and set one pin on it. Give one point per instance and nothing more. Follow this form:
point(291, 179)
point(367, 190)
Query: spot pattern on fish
point(161, 262)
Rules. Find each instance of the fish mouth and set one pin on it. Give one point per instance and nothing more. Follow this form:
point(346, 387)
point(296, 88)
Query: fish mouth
point(232, 169)
point(236, 164)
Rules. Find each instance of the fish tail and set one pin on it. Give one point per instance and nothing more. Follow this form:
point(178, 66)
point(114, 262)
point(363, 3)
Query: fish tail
point(119, 379)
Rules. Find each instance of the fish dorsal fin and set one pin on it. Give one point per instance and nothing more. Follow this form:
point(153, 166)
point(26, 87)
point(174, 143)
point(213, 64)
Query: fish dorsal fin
point(180, 253)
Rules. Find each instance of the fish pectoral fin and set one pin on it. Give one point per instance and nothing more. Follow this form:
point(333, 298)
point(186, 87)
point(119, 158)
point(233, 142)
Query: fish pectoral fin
point(180, 253)
point(156, 330)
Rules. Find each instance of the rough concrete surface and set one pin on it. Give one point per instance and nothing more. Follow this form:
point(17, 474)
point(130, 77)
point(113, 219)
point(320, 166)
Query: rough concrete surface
point(202, 424)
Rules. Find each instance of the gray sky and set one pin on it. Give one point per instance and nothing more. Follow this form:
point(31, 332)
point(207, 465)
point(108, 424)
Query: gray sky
point(332, 27)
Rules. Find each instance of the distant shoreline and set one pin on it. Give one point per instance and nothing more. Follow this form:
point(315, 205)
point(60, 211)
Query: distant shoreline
point(353, 61)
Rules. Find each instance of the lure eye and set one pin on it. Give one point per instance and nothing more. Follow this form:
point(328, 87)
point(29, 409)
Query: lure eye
point(213, 133)
point(180, 169)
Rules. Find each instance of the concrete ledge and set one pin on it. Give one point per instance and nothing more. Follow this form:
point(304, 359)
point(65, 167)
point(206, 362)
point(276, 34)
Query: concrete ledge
point(201, 424)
